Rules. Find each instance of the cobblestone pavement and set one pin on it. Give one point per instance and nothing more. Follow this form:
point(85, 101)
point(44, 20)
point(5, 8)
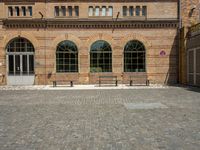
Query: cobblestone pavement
point(99, 120)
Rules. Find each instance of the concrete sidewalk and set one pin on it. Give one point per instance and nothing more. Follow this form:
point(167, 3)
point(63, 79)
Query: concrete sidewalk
point(81, 87)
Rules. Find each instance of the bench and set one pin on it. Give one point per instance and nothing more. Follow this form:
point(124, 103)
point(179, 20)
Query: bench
point(139, 79)
point(55, 82)
point(109, 79)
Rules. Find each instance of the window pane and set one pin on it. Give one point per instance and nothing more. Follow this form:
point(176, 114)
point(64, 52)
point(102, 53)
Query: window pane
point(31, 64)
point(76, 10)
point(17, 11)
point(11, 64)
point(137, 11)
point(70, 10)
point(30, 11)
point(124, 11)
point(131, 10)
point(90, 11)
point(56, 11)
point(96, 11)
point(63, 10)
point(144, 11)
point(23, 11)
point(10, 11)
point(110, 11)
point(103, 11)
point(24, 64)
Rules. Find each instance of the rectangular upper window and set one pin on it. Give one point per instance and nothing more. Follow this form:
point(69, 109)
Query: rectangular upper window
point(70, 10)
point(100, 11)
point(56, 11)
point(10, 11)
point(144, 10)
point(17, 11)
point(124, 11)
point(96, 11)
point(137, 11)
point(76, 11)
point(110, 11)
point(63, 10)
point(23, 11)
point(30, 11)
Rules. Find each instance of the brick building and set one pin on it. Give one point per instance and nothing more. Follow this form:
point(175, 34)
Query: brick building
point(41, 40)
point(189, 53)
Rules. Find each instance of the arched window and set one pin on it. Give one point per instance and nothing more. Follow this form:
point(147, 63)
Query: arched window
point(20, 55)
point(134, 57)
point(67, 57)
point(20, 45)
point(101, 57)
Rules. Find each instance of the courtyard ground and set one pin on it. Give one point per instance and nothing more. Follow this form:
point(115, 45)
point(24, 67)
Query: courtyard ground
point(100, 119)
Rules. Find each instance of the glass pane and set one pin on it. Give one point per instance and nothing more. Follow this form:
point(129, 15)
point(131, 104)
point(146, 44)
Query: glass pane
point(97, 11)
point(30, 11)
point(63, 10)
point(31, 64)
point(124, 11)
point(70, 10)
point(90, 11)
point(103, 11)
point(191, 62)
point(137, 11)
point(110, 11)
point(76, 10)
point(24, 64)
point(17, 64)
point(144, 11)
point(131, 10)
point(11, 64)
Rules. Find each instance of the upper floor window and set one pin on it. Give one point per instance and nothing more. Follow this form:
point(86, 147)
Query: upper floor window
point(110, 11)
point(134, 11)
point(144, 10)
point(96, 11)
point(90, 11)
point(124, 11)
point(100, 11)
point(76, 10)
point(63, 10)
point(23, 11)
point(131, 10)
point(56, 9)
point(17, 11)
point(10, 11)
point(103, 11)
point(137, 11)
point(30, 10)
point(68, 11)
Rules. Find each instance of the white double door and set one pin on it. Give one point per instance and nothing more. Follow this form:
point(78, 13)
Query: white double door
point(20, 69)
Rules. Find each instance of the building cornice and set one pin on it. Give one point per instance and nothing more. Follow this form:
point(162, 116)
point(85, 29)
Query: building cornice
point(86, 24)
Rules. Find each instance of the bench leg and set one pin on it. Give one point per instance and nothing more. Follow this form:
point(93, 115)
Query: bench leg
point(71, 83)
point(54, 83)
point(131, 82)
point(147, 83)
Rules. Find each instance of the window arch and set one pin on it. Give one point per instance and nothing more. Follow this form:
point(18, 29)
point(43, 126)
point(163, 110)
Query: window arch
point(20, 45)
point(20, 57)
point(67, 57)
point(100, 57)
point(134, 57)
